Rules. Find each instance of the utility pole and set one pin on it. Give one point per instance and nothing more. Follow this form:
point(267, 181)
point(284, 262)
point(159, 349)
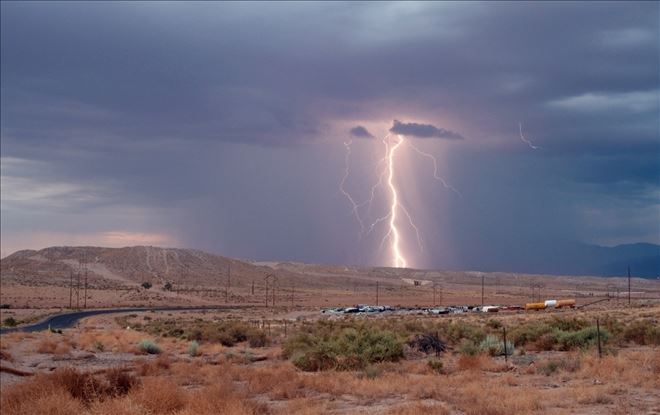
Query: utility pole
point(628, 286)
point(266, 282)
point(252, 287)
point(433, 293)
point(78, 290)
point(376, 292)
point(482, 290)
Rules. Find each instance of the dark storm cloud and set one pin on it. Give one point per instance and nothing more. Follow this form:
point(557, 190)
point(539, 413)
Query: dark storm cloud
point(151, 115)
point(423, 130)
point(360, 132)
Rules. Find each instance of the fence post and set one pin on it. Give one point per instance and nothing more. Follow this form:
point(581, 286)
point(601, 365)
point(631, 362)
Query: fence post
point(600, 350)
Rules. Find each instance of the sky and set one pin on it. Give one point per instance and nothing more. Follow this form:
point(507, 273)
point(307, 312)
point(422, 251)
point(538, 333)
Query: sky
point(225, 127)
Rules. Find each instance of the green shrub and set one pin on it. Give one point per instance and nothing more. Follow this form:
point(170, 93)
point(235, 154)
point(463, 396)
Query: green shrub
point(490, 345)
point(548, 341)
point(146, 285)
point(568, 323)
point(149, 347)
point(347, 349)
point(193, 348)
point(322, 356)
point(495, 347)
point(226, 339)
point(549, 368)
point(528, 333)
point(642, 332)
point(98, 346)
point(257, 338)
point(458, 331)
point(581, 339)
point(468, 348)
point(570, 364)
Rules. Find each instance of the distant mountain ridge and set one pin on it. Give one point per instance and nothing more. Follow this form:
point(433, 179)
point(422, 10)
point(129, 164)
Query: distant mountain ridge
point(570, 258)
point(132, 266)
point(126, 266)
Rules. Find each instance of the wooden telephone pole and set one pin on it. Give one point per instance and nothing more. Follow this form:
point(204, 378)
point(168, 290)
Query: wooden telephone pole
point(267, 279)
point(433, 293)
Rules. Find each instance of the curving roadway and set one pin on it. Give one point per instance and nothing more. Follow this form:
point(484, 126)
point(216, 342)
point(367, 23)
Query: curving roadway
point(68, 320)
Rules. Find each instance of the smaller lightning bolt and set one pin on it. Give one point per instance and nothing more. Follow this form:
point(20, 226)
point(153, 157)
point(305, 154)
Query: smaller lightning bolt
point(347, 172)
point(435, 169)
point(380, 176)
point(526, 141)
point(412, 225)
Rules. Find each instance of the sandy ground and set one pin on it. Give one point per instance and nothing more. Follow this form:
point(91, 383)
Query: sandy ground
point(589, 391)
point(509, 290)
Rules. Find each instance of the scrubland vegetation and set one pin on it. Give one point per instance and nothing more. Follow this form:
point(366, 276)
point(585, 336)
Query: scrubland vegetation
point(389, 365)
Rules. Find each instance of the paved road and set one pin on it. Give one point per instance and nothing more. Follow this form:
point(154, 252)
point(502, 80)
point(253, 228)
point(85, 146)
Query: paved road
point(67, 320)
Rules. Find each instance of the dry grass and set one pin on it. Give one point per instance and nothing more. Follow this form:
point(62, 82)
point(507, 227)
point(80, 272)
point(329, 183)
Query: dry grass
point(118, 406)
point(591, 395)
point(5, 355)
point(153, 367)
point(221, 399)
point(115, 340)
point(215, 382)
point(54, 346)
point(498, 399)
point(475, 363)
point(420, 408)
point(159, 395)
point(67, 387)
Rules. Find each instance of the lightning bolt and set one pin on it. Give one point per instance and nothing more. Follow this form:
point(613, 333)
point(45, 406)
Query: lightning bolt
point(435, 169)
point(347, 171)
point(397, 257)
point(526, 141)
point(396, 209)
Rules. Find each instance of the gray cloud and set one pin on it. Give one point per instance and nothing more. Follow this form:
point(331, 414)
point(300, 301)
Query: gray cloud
point(190, 118)
point(423, 131)
point(361, 132)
